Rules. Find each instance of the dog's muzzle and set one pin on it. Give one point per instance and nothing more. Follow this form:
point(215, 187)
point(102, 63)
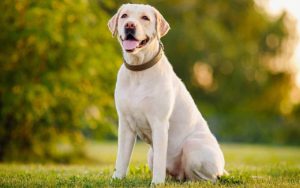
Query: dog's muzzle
point(130, 42)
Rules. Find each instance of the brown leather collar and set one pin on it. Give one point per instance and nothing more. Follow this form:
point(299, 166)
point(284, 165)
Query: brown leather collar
point(148, 64)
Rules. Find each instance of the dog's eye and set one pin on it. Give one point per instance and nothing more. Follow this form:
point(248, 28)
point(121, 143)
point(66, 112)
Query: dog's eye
point(145, 18)
point(124, 16)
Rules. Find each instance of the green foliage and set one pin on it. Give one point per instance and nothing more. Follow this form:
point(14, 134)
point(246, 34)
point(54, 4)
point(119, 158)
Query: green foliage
point(58, 66)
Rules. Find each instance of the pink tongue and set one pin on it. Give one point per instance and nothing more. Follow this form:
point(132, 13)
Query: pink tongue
point(130, 44)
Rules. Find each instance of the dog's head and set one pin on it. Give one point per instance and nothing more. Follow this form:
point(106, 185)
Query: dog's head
point(136, 25)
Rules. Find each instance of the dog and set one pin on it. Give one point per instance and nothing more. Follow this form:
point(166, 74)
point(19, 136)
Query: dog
point(153, 104)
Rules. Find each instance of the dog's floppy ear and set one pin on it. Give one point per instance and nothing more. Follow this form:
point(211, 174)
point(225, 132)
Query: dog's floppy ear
point(162, 26)
point(113, 23)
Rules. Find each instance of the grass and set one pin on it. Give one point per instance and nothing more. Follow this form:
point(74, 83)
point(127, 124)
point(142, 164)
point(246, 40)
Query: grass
point(248, 165)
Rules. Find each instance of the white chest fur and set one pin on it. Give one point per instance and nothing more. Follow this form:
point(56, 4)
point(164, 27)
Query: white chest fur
point(137, 97)
point(132, 105)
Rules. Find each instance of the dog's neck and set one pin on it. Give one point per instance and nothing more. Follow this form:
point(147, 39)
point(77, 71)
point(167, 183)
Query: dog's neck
point(144, 55)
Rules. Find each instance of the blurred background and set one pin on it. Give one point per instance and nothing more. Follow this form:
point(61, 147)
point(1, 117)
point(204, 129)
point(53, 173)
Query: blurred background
point(240, 60)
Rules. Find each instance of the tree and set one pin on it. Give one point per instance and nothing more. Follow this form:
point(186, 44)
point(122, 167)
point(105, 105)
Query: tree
point(58, 67)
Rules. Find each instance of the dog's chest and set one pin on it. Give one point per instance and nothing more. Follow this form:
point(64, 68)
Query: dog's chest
point(133, 100)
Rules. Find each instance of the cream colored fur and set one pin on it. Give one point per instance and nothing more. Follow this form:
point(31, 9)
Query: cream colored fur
point(155, 105)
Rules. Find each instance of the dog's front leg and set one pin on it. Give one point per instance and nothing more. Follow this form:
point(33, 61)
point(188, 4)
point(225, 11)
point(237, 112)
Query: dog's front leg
point(160, 145)
point(126, 141)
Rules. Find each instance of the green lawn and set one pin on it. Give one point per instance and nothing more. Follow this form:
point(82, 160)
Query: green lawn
point(248, 165)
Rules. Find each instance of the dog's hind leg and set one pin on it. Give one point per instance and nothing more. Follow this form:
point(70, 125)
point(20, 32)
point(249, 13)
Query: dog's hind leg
point(202, 161)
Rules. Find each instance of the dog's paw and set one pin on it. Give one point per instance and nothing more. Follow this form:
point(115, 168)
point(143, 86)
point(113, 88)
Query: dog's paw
point(115, 179)
point(155, 183)
point(115, 176)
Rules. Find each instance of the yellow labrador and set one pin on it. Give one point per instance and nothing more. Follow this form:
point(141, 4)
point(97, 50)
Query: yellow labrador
point(154, 104)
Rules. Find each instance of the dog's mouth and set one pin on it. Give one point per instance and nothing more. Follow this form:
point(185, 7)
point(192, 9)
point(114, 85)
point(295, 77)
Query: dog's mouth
point(131, 43)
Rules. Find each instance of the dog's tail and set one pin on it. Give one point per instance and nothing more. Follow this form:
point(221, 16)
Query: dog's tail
point(225, 172)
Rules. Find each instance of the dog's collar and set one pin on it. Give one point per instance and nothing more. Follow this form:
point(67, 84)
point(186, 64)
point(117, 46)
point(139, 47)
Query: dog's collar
point(148, 64)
